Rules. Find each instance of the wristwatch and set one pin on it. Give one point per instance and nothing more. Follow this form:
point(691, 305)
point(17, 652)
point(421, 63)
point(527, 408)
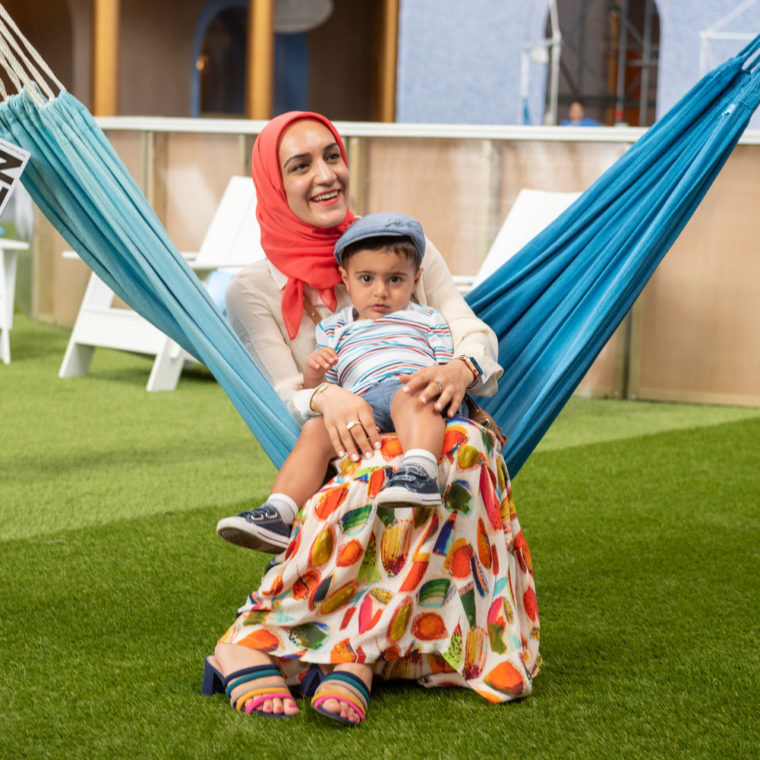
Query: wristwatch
point(473, 366)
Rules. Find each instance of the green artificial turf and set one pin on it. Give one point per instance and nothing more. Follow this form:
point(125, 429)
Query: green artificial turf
point(97, 449)
point(642, 522)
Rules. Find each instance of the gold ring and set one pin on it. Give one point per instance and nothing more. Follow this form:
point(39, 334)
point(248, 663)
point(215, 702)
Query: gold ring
point(352, 424)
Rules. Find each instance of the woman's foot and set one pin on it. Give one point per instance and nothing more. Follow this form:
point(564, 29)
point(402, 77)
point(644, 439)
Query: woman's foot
point(230, 658)
point(346, 711)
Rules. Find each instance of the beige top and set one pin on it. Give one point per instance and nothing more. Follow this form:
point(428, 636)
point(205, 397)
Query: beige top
point(254, 309)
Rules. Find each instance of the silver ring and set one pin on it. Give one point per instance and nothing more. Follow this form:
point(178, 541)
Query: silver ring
point(352, 424)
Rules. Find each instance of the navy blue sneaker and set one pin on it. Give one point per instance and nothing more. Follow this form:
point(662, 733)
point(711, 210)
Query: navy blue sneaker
point(409, 486)
point(261, 529)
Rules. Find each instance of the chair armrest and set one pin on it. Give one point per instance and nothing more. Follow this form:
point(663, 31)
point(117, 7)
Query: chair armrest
point(13, 245)
point(227, 265)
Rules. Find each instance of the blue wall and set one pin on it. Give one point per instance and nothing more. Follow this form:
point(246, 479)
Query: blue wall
point(459, 62)
point(681, 21)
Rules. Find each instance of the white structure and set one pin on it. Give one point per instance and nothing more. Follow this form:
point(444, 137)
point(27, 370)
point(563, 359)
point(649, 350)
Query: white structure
point(532, 211)
point(231, 243)
point(8, 252)
point(724, 29)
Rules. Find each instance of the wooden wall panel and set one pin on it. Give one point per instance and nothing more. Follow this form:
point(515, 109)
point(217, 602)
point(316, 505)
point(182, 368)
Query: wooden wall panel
point(566, 168)
point(130, 148)
point(462, 190)
point(441, 183)
point(699, 327)
point(695, 332)
point(556, 166)
point(55, 283)
point(198, 168)
point(606, 377)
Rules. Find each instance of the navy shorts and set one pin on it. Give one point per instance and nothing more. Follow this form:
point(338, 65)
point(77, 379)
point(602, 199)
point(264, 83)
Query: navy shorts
point(380, 396)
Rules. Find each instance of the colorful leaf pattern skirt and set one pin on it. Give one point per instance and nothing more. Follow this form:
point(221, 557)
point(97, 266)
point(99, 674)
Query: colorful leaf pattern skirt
point(445, 596)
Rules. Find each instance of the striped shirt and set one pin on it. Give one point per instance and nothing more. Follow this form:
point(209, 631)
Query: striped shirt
point(372, 350)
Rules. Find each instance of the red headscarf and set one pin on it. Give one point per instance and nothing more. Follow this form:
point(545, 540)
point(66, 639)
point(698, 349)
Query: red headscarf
point(301, 251)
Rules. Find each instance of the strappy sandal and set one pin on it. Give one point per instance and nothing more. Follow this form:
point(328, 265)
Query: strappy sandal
point(346, 688)
point(214, 682)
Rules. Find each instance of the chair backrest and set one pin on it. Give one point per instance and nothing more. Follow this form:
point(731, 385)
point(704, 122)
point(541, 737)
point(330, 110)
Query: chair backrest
point(531, 212)
point(233, 238)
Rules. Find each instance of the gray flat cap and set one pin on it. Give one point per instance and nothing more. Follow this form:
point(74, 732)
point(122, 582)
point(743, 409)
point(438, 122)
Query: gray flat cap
point(384, 224)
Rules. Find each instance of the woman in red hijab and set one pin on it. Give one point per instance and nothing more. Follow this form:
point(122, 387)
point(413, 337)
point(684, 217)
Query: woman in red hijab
point(447, 597)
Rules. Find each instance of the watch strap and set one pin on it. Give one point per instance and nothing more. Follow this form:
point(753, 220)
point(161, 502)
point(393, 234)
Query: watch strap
point(473, 366)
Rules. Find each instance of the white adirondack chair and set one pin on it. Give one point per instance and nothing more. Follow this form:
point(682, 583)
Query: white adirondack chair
point(532, 211)
point(231, 243)
point(8, 252)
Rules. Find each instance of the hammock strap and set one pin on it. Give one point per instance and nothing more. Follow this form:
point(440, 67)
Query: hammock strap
point(9, 68)
point(7, 36)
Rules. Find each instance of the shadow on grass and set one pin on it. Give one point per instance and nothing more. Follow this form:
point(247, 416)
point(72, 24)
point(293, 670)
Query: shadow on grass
point(103, 369)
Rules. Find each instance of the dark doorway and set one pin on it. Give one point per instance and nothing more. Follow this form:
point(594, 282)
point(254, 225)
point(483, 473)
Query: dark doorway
point(610, 50)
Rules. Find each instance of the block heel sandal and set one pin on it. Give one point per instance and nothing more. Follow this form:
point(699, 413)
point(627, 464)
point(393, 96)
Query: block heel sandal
point(346, 688)
point(215, 682)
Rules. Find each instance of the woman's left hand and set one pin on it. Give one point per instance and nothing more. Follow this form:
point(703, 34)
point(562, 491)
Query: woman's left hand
point(444, 385)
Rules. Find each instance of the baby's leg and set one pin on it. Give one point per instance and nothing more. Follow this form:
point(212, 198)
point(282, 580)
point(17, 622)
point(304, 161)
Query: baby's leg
point(420, 430)
point(303, 472)
point(417, 426)
point(268, 527)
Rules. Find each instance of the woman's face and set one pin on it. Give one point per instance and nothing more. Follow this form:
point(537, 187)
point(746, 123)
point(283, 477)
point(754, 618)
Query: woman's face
point(314, 175)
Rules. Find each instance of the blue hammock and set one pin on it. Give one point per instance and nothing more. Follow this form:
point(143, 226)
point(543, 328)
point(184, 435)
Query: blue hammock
point(553, 306)
point(557, 302)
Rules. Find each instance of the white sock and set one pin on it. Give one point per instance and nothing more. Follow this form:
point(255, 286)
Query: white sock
point(424, 459)
point(286, 507)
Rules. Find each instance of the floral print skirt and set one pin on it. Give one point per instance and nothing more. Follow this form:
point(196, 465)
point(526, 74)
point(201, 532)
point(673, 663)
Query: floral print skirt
point(445, 596)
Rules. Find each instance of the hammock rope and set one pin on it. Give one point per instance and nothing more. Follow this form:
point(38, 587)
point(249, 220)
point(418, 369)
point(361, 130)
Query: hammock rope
point(553, 305)
point(10, 67)
point(14, 37)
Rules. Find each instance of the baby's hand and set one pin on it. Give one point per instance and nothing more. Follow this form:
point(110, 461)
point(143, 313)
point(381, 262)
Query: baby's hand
point(317, 364)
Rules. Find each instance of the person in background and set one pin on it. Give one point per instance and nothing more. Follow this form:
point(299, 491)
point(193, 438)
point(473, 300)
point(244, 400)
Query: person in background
point(576, 116)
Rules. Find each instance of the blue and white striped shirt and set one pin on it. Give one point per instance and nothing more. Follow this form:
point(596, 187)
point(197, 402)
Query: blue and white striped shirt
point(372, 350)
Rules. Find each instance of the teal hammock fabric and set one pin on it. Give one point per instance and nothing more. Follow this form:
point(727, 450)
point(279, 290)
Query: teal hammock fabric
point(553, 305)
point(82, 187)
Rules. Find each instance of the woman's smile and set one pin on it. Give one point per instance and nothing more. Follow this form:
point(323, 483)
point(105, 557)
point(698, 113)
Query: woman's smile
point(325, 198)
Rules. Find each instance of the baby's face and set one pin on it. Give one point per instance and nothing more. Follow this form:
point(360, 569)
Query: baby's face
point(379, 282)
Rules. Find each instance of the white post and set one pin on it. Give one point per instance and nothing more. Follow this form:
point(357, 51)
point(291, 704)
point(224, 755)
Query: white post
point(556, 50)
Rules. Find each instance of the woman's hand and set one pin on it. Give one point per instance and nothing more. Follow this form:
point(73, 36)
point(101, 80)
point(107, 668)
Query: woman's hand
point(442, 384)
point(318, 362)
point(349, 421)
